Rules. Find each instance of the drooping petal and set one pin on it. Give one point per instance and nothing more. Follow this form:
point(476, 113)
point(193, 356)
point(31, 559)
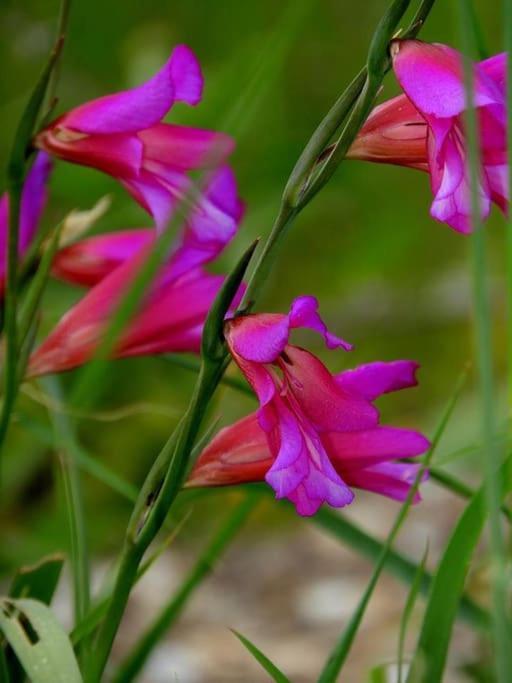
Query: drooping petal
point(304, 313)
point(357, 450)
point(390, 479)
point(212, 224)
point(141, 107)
point(323, 401)
point(374, 379)
point(90, 260)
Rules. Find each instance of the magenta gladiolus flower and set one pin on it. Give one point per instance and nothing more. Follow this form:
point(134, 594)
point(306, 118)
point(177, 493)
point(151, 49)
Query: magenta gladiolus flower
point(33, 200)
point(123, 135)
point(315, 434)
point(172, 315)
point(425, 129)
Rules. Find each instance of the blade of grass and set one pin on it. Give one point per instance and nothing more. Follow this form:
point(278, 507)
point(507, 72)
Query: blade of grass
point(341, 649)
point(140, 652)
point(64, 437)
point(407, 611)
point(502, 631)
point(430, 655)
point(275, 674)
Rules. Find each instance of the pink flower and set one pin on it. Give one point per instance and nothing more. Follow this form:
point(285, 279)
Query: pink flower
point(123, 135)
point(172, 315)
point(425, 128)
point(315, 434)
point(33, 200)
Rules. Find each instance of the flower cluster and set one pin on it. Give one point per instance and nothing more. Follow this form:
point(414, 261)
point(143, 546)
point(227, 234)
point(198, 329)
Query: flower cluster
point(316, 436)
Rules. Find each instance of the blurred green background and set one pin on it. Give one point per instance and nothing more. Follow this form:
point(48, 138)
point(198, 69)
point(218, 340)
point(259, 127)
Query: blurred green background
point(389, 278)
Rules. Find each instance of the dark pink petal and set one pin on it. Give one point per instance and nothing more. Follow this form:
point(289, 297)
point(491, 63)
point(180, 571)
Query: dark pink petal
point(374, 379)
point(497, 177)
point(393, 480)
point(185, 148)
point(139, 108)
point(90, 260)
point(304, 313)
point(321, 399)
point(357, 450)
point(258, 338)
point(431, 76)
point(496, 68)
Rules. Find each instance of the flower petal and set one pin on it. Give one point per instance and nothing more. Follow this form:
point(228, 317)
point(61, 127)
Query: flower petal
point(141, 107)
point(393, 480)
point(357, 450)
point(304, 313)
point(374, 379)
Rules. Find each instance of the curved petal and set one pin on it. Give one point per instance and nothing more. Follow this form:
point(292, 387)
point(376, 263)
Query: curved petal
point(374, 379)
point(432, 77)
point(496, 68)
point(141, 107)
point(304, 313)
point(259, 338)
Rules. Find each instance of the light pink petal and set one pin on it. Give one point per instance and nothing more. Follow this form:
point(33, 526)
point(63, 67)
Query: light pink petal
point(325, 404)
point(393, 480)
point(374, 379)
point(356, 450)
point(185, 148)
point(304, 313)
point(139, 108)
point(90, 260)
point(432, 77)
point(238, 453)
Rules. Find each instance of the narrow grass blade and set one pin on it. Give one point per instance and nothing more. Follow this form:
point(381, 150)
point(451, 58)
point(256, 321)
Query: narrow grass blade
point(407, 611)
point(38, 581)
point(64, 436)
point(430, 655)
point(40, 643)
point(139, 654)
point(272, 670)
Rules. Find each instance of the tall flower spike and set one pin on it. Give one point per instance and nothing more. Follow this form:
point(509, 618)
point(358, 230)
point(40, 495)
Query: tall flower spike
point(33, 200)
point(314, 433)
point(425, 128)
point(353, 448)
point(172, 315)
point(123, 135)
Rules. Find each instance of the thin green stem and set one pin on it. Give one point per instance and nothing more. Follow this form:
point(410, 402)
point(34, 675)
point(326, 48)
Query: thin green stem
point(483, 326)
point(204, 565)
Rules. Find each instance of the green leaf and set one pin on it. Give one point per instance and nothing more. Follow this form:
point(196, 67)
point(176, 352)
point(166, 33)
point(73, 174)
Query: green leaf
point(38, 581)
point(272, 670)
point(39, 641)
point(430, 655)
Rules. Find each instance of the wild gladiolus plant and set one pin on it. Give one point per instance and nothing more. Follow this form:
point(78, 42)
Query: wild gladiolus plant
point(295, 425)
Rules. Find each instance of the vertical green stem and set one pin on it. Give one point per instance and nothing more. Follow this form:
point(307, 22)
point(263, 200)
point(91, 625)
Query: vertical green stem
point(483, 325)
point(70, 476)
